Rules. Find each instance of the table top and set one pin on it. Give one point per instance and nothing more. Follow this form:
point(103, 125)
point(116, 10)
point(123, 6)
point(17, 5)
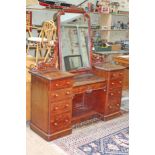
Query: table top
point(109, 67)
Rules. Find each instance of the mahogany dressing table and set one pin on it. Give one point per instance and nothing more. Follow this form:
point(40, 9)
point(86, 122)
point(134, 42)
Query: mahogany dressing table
point(76, 90)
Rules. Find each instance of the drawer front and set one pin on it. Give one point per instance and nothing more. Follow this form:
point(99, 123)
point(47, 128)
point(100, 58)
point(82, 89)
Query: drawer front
point(60, 122)
point(89, 88)
point(60, 84)
point(115, 84)
point(114, 101)
point(60, 94)
point(116, 74)
point(61, 106)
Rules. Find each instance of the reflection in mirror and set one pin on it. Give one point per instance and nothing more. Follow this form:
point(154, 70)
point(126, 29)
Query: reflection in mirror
point(74, 42)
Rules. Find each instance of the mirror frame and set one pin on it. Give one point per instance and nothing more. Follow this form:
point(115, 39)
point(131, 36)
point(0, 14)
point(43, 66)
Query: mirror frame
point(82, 12)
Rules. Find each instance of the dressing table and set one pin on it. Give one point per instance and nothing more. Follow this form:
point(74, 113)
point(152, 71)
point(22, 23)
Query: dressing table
point(76, 90)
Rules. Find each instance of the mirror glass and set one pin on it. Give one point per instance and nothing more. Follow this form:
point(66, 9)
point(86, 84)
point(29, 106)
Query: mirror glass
point(74, 41)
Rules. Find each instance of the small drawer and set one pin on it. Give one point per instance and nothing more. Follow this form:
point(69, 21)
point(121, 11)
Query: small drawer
point(115, 83)
point(90, 87)
point(115, 93)
point(61, 106)
point(116, 74)
point(60, 122)
point(60, 94)
point(113, 108)
point(60, 84)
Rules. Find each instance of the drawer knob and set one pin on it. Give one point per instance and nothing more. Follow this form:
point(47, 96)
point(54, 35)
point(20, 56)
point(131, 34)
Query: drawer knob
point(55, 124)
point(112, 83)
point(66, 120)
point(120, 73)
point(67, 92)
point(119, 92)
point(56, 108)
point(104, 90)
point(56, 84)
point(56, 95)
point(68, 82)
point(111, 94)
point(110, 107)
point(113, 74)
point(117, 105)
point(120, 82)
point(67, 105)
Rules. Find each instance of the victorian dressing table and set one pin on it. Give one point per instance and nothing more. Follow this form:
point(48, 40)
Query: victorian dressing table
point(76, 90)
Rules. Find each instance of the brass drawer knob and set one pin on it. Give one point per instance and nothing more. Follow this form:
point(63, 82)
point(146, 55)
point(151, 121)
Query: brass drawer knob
point(111, 94)
point(56, 95)
point(55, 124)
point(56, 108)
point(66, 120)
point(67, 105)
point(56, 84)
point(110, 107)
point(67, 92)
point(68, 82)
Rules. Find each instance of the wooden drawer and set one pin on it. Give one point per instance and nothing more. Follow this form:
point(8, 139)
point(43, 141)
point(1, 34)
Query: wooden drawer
point(60, 84)
point(60, 122)
point(115, 84)
point(88, 88)
point(114, 100)
point(61, 106)
point(116, 74)
point(60, 94)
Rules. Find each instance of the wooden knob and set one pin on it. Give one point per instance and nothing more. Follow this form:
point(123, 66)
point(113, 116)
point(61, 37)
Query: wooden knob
point(56, 84)
point(120, 81)
point(67, 92)
point(120, 73)
point(111, 94)
point(112, 83)
point(119, 92)
point(67, 105)
point(56, 108)
point(110, 107)
point(117, 105)
point(66, 120)
point(55, 124)
point(56, 95)
point(68, 82)
point(104, 90)
point(113, 74)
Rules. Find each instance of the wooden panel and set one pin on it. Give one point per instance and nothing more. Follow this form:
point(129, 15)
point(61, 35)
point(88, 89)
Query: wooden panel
point(28, 101)
point(39, 101)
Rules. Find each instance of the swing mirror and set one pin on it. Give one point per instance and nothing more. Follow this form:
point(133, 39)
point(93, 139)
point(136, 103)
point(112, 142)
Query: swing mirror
point(74, 42)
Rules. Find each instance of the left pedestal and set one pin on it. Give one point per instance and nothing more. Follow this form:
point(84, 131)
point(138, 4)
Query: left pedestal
point(51, 104)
